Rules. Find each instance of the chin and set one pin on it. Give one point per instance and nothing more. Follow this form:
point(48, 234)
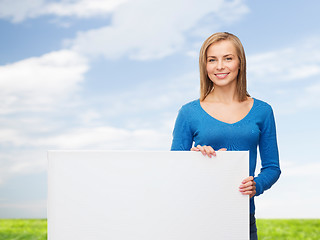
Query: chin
point(222, 83)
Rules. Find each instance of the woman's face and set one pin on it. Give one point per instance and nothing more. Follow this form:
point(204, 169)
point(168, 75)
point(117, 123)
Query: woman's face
point(223, 63)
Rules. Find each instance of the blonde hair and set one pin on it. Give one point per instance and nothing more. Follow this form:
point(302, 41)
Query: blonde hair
point(206, 85)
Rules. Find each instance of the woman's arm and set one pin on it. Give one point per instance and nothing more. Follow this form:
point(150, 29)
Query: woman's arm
point(270, 169)
point(182, 132)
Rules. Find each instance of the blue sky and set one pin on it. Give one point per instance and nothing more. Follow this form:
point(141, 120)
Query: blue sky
point(112, 74)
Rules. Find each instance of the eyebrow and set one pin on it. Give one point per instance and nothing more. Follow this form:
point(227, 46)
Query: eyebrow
point(230, 54)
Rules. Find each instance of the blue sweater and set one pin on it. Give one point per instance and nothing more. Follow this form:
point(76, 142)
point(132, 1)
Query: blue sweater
point(257, 128)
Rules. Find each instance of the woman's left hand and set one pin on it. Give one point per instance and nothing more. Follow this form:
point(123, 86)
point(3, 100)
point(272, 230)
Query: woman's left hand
point(248, 187)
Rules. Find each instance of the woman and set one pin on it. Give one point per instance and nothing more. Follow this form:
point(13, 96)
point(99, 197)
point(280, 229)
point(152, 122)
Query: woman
point(227, 118)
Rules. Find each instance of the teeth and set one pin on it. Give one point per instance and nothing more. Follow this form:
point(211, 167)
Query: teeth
point(221, 75)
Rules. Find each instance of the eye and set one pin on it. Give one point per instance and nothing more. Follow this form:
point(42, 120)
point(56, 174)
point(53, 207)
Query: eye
point(211, 60)
point(229, 58)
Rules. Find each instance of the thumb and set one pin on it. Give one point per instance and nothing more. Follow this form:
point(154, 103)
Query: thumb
point(222, 149)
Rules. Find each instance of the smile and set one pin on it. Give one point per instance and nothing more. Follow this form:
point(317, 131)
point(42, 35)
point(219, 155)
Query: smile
point(221, 75)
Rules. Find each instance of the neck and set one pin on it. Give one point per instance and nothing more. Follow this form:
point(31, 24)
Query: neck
point(225, 94)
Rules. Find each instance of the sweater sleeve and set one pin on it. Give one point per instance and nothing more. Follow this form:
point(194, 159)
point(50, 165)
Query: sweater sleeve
point(270, 169)
point(182, 133)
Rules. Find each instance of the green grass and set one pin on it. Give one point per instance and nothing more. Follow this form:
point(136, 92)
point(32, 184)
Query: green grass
point(288, 229)
point(22, 229)
point(295, 229)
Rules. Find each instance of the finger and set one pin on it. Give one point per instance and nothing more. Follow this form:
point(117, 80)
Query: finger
point(201, 149)
point(250, 188)
point(207, 151)
point(210, 151)
point(247, 179)
point(247, 184)
point(249, 193)
point(244, 186)
point(195, 149)
point(222, 149)
point(250, 178)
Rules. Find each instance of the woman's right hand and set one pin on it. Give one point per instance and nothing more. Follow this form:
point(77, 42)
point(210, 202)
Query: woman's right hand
point(206, 150)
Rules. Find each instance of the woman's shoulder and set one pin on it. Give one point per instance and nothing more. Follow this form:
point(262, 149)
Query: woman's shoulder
point(261, 103)
point(191, 106)
point(262, 106)
point(190, 110)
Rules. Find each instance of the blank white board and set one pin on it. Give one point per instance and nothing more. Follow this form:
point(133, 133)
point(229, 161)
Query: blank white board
point(103, 195)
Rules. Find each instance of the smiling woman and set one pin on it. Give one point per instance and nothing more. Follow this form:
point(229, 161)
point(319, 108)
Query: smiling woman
point(230, 48)
point(227, 118)
point(223, 63)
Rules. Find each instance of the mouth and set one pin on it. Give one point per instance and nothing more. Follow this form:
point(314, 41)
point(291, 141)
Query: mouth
point(221, 75)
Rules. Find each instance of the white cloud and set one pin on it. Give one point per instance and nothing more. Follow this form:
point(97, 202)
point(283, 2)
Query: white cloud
point(19, 162)
point(309, 97)
point(292, 205)
point(9, 136)
point(290, 74)
point(82, 8)
point(38, 83)
point(108, 138)
point(139, 29)
point(300, 61)
point(293, 194)
point(149, 105)
point(145, 29)
point(18, 11)
point(301, 170)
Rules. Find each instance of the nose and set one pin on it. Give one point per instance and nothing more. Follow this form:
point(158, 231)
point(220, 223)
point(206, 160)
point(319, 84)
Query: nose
point(220, 65)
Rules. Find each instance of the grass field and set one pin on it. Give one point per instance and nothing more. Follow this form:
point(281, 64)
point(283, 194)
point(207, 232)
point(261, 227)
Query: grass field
point(300, 229)
point(16, 229)
point(295, 229)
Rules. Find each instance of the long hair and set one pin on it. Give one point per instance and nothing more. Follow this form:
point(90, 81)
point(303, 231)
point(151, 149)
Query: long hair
point(206, 85)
